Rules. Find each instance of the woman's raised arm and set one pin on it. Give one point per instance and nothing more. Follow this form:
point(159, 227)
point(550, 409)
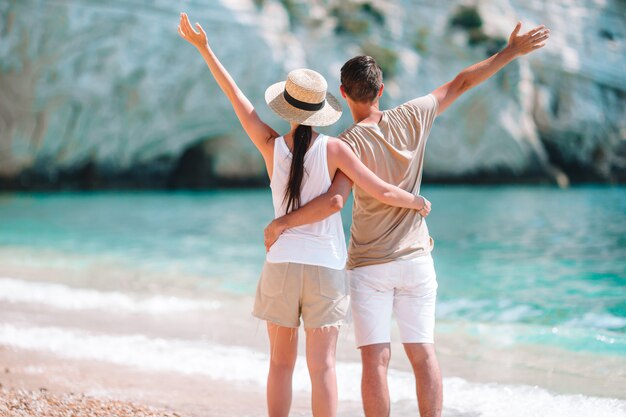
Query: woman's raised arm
point(260, 133)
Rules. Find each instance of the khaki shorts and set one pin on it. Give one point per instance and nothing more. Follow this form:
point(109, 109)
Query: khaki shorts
point(288, 290)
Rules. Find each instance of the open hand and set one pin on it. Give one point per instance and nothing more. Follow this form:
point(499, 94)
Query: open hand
point(197, 39)
point(530, 41)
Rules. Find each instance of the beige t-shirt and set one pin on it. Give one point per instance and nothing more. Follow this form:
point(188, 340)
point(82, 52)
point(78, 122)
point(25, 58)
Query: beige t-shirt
point(394, 150)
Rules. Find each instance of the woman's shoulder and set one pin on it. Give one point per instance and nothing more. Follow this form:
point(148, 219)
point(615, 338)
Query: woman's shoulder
point(333, 142)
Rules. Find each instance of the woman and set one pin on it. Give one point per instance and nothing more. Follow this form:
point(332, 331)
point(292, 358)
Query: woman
point(304, 270)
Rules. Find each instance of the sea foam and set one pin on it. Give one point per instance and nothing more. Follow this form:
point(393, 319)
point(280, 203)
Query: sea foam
point(67, 298)
point(242, 364)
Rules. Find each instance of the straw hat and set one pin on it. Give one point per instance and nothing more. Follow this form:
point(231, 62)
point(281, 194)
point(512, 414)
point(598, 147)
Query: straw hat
point(304, 99)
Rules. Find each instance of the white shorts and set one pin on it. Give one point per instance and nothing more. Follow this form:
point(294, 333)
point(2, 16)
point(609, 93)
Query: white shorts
point(406, 287)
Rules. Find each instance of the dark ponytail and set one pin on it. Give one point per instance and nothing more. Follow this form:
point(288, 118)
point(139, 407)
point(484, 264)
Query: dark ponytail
point(301, 142)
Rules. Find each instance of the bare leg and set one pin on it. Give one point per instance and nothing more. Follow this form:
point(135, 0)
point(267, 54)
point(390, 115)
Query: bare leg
point(427, 378)
point(374, 390)
point(321, 345)
point(283, 354)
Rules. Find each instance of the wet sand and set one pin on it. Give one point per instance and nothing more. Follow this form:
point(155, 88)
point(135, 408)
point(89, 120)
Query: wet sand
point(128, 388)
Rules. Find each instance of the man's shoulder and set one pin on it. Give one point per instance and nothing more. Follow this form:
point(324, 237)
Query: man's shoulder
point(416, 113)
point(427, 103)
point(350, 137)
point(354, 135)
point(348, 134)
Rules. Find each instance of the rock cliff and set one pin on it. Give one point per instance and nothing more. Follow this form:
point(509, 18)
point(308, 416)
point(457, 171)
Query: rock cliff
point(98, 93)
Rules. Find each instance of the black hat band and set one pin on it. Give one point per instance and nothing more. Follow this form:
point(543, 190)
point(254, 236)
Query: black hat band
point(302, 105)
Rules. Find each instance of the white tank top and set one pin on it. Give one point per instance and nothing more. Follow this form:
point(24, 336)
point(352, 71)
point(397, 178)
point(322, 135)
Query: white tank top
point(322, 243)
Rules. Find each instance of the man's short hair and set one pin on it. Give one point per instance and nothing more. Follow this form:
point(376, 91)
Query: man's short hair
point(362, 78)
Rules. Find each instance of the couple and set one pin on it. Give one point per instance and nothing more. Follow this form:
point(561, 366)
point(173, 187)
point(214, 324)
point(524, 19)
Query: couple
point(390, 268)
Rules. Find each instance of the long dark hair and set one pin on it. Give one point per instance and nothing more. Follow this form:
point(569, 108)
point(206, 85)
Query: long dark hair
point(301, 141)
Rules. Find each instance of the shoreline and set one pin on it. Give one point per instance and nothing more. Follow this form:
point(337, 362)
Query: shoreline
point(155, 312)
point(72, 383)
point(29, 182)
point(460, 355)
point(185, 396)
point(172, 359)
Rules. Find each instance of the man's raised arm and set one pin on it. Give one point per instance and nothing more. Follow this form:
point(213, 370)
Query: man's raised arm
point(470, 77)
point(315, 210)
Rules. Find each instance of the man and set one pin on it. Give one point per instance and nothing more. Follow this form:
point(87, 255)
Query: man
point(389, 261)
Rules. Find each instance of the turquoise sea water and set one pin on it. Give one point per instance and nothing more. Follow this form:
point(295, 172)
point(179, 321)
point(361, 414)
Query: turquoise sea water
point(532, 265)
